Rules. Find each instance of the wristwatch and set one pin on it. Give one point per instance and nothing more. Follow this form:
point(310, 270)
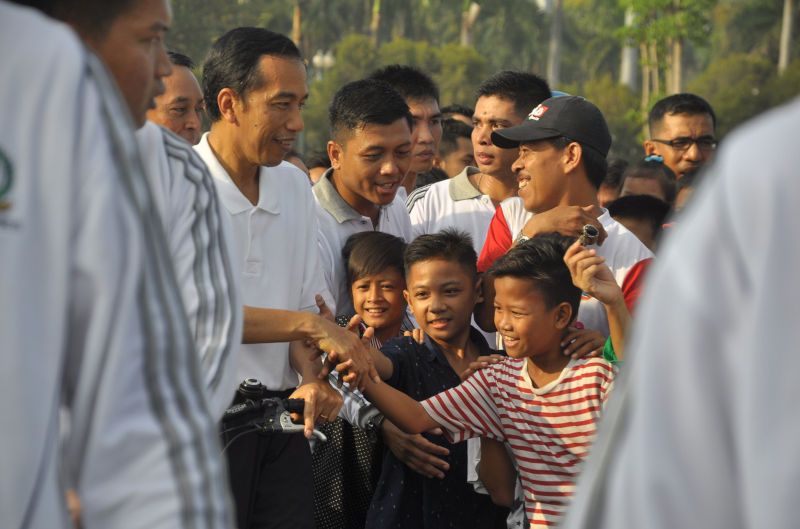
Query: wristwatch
point(370, 420)
point(521, 238)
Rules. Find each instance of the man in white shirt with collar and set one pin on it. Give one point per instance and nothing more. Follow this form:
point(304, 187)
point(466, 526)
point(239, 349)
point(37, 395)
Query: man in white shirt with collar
point(370, 155)
point(254, 85)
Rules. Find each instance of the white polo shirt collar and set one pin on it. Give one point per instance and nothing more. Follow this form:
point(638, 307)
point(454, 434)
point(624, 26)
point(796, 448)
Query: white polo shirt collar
point(233, 199)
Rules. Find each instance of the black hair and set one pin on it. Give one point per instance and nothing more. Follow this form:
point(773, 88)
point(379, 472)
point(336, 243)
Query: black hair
point(594, 163)
point(318, 159)
point(179, 59)
point(684, 103)
point(233, 62)
point(614, 170)
point(448, 244)
point(412, 83)
point(455, 108)
point(430, 177)
point(525, 90)
point(452, 129)
point(540, 260)
point(653, 170)
point(364, 102)
point(371, 252)
point(92, 18)
point(641, 207)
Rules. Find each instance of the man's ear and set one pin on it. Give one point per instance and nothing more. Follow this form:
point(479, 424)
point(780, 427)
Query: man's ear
point(335, 153)
point(227, 103)
point(650, 148)
point(563, 315)
point(479, 290)
point(572, 156)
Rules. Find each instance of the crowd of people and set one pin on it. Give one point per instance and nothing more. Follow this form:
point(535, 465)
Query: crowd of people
point(449, 291)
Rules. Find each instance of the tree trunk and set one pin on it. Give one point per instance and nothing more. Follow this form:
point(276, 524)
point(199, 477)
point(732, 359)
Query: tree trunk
point(296, 24)
point(468, 17)
point(556, 37)
point(677, 66)
point(627, 69)
point(376, 22)
point(646, 77)
point(786, 35)
point(654, 68)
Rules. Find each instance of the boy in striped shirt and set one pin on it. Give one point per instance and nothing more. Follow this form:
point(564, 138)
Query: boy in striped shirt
point(542, 403)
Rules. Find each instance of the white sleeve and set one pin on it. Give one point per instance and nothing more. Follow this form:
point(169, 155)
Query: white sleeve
point(201, 244)
point(700, 431)
point(313, 276)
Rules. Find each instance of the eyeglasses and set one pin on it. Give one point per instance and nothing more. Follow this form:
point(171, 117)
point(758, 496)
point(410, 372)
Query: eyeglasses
point(683, 144)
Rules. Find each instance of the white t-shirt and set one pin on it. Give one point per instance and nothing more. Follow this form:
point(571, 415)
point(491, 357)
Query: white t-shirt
point(277, 257)
point(452, 203)
point(338, 221)
point(201, 243)
point(704, 430)
point(93, 320)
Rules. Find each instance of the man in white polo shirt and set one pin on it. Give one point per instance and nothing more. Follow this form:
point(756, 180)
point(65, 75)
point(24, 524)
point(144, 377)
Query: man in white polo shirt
point(468, 201)
point(254, 85)
point(370, 153)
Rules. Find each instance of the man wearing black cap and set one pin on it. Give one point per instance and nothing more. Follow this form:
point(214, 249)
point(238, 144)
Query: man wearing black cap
point(562, 161)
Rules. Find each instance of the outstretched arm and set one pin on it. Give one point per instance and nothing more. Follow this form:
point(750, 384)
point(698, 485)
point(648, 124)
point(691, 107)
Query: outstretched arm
point(405, 412)
point(590, 274)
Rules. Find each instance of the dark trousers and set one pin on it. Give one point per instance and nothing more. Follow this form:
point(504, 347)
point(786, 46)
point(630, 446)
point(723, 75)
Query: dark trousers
point(271, 479)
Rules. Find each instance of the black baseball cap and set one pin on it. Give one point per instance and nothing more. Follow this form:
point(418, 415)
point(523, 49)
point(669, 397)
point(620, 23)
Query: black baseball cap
point(570, 116)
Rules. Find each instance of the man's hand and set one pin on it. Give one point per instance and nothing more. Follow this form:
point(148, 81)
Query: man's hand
point(321, 402)
point(349, 352)
point(419, 454)
point(567, 220)
point(590, 273)
point(580, 342)
point(481, 362)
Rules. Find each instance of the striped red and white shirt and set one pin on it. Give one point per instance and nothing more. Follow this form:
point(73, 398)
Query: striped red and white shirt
point(549, 429)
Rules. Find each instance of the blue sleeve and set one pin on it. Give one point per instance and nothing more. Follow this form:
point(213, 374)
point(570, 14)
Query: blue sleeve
point(400, 351)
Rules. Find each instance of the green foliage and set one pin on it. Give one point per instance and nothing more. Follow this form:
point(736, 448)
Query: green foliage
point(729, 54)
point(735, 87)
point(620, 106)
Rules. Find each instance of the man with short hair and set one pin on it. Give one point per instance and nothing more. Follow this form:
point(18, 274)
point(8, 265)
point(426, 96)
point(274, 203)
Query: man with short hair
point(455, 149)
point(468, 201)
point(254, 84)
point(180, 107)
point(422, 96)
point(682, 132)
point(370, 152)
point(97, 315)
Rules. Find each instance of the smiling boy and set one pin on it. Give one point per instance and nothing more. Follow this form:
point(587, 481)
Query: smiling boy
point(542, 403)
point(442, 289)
